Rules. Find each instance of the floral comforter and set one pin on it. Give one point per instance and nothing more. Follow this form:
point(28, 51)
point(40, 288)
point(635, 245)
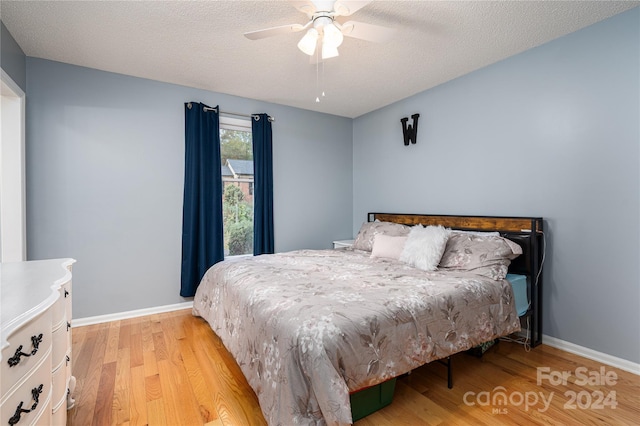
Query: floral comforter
point(308, 327)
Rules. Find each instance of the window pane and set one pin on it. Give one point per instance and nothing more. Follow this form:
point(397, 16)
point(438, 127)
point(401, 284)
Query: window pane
point(237, 197)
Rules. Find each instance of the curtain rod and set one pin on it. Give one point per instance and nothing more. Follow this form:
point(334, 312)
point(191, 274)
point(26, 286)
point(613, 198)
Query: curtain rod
point(254, 116)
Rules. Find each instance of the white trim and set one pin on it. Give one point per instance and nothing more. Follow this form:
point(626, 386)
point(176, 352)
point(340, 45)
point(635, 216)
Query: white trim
point(79, 322)
point(611, 360)
point(13, 228)
point(15, 88)
point(239, 124)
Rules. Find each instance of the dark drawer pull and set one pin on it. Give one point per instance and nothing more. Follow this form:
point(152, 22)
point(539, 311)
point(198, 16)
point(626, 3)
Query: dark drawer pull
point(68, 325)
point(35, 394)
point(15, 359)
point(66, 293)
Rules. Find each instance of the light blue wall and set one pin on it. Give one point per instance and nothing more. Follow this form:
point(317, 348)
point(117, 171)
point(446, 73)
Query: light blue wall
point(105, 172)
point(552, 132)
point(12, 58)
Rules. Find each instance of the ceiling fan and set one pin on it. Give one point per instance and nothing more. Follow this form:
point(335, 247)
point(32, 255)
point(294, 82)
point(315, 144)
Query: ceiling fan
point(324, 34)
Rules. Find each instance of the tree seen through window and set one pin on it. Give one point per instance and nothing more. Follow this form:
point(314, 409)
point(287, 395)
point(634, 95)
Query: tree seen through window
point(237, 199)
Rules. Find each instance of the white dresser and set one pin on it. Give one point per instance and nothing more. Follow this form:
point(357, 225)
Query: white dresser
point(36, 384)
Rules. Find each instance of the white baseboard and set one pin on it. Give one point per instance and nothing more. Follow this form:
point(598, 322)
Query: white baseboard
point(611, 360)
point(79, 322)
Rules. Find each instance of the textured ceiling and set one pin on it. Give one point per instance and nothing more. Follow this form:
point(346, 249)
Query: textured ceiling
point(201, 44)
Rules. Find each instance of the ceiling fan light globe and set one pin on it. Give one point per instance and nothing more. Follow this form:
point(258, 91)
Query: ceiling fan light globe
point(307, 44)
point(332, 35)
point(329, 51)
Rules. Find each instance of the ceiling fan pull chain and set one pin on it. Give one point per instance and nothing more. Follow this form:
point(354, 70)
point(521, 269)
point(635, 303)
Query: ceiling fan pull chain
point(323, 79)
point(317, 79)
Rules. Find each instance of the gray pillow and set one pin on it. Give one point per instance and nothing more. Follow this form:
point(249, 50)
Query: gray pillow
point(368, 230)
point(486, 255)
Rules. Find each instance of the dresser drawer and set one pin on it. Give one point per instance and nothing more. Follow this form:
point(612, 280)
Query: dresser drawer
point(60, 341)
point(40, 381)
point(68, 360)
point(62, 306)
point(45, 417)
point(59, 415)
point(25, 336)
point(66, 295)
point(59, 386)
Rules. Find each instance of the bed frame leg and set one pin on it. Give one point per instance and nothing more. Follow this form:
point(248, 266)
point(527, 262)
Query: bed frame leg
point(449, 371)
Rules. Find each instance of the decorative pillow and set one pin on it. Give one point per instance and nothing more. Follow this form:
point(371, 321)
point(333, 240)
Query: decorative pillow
point(368, 230)
point(486, 255)
point(387, 246)
point(425, 246)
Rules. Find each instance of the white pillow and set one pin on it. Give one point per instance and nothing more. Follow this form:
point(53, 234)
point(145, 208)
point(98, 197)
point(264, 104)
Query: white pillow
point(388, 246)
point(425, 246)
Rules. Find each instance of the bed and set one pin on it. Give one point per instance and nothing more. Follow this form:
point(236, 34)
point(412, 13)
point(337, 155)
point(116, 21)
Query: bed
point(310, 327)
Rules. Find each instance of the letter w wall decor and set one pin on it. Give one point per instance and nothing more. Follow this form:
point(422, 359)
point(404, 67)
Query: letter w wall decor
point(409, 131)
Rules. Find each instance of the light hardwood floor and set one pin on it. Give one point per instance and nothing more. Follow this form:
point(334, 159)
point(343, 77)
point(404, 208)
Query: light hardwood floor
point(171, 369)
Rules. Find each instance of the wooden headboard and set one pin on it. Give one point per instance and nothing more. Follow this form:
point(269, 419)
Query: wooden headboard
point(468, 223)
point(526, 231)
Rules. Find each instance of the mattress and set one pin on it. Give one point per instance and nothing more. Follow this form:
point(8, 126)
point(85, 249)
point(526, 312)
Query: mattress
point(310, 327)
point(519, 286)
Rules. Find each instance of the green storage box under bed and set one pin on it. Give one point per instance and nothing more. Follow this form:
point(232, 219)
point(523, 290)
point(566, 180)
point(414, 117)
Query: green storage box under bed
point(371, 399)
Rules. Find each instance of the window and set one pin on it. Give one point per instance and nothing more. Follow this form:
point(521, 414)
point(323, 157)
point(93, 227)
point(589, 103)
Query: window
point(236, 153)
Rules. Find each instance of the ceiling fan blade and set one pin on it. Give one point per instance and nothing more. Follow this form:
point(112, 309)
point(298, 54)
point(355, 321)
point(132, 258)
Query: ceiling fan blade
point(347, 7)
point(304, 6)
point(270, 32)
point(368, 32)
